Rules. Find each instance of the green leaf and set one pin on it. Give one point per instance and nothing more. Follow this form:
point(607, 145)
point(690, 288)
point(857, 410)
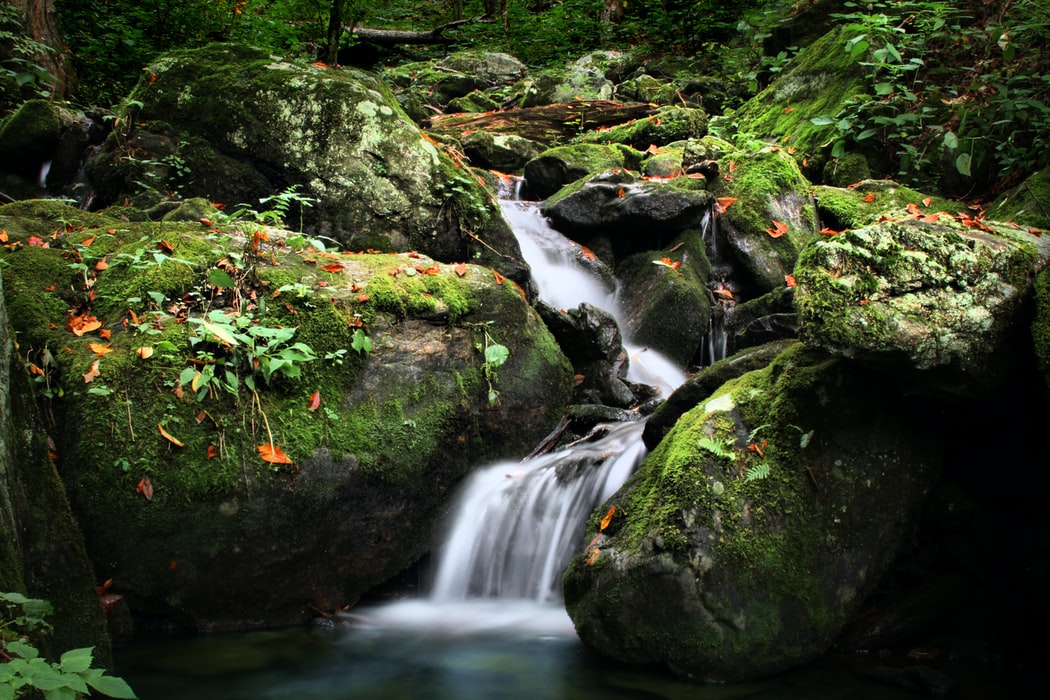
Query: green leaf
point(62, 693)
point(221, 333)
point(23, 650)
point(823, 120)
point(721, 449)
point(113, 686)
point(221, 278)
point(187, 375)
point(838, 150)
point(757, 472)
point(496, 354)
point(361, 342)
point(962, 164)
point(951, 141)
point(883, 88)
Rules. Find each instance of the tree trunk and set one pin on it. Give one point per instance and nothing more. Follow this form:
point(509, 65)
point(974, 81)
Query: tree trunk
point(335, 29)
point(40, 21)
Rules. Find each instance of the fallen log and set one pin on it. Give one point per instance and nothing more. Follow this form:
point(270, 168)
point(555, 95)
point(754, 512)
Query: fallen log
point(545, 124)
point(395, 37)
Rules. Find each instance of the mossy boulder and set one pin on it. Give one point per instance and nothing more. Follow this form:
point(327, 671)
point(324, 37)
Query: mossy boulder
point(765, 187)
point(559, 166)
point(666, 125)
point(819, 82)
point(42, 550)
point(1028, 204)
point(659, 286)
point(336, 133)
point(1041, 325)
point(505, 153)
point(28, 139)
point(868, 201)
point(175, 355)
point(492, 67)
point(754, 531)
point(631, 215)
point(924, 299)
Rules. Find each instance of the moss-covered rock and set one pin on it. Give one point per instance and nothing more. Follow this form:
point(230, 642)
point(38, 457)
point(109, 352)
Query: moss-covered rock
point(1028, 204)
point(919, 296)
point(820, 80)
point(751, 534)
point(765, 187)
point(505, 153)
point(666, 125)
point(562, 165)
point(42, 550)
point(175, 354)
point(28, 139)
point(625, 214)
point(337, 133)
point(1041, 324)
point(867, 201)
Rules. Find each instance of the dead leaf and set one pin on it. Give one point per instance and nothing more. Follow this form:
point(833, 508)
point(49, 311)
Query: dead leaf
point(498, 276)
point(213, 451)
point(593, 557)
point(169, 437)
point(145, 488)
point(90, 375)
point(333, 267)
point(99, 349)
point(273, 454)
point(166, 247)
point(607, 519)
point(790, 280)
point(778, 230)
point(315, 401)
point(145, 352)
point(723, 203)
point(461, 269)
point(870, 197)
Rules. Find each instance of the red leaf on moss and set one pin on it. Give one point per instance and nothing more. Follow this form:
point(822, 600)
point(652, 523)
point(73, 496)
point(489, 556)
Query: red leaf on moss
point(273, 454)
point(315, 401)
point(333, 267)
point(145, 488)
point(778, 230)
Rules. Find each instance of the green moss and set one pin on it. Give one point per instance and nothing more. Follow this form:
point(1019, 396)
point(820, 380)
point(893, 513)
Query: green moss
point(667, 125)
point(1041, 324)
point(871, 200)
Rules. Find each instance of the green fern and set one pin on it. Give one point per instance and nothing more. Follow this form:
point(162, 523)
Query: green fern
point(722, 448)
point(757, 472)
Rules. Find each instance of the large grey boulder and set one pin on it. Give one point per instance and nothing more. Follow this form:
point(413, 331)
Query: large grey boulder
point(336, 133)
point(755, 530)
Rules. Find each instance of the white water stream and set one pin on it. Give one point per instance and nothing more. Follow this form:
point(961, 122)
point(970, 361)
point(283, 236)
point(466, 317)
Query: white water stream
point(515, 525)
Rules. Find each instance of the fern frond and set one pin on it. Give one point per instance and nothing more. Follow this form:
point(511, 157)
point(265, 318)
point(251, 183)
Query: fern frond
point(719, 448)
point(757, 472)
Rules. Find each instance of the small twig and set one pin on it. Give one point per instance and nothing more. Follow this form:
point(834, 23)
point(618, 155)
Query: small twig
point(127, 403)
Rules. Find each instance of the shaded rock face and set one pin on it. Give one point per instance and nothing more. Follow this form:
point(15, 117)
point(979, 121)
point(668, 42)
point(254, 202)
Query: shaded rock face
point(634, 216)
point(916, 296)
point(723, 562)
point(338, 134)
point(225, 539)
point(559, 166)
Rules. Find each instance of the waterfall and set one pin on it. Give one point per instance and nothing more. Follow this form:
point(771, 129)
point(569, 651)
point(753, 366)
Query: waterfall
point(515, 525)
point(518, 523)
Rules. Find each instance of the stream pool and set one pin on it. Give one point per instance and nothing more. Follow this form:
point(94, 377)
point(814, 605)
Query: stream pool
point(489, 651)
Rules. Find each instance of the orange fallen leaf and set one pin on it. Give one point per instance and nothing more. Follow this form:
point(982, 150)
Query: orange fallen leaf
point(461, 269)
point(273, 454)
point(166, 247)
point(828, 232)
point(37, 241)
point(87, 241)
point(3, 235)
point(790, 280)
point(104, 334)
point(99, 349)
point(723, 203)
point(870, 197)
point(213, 451)
point(83, 323)
point(169, 437)
point(90, 375)
point(789, 110)
point(101, 265)
point(315, 401)
point(587, 252)
point(928, 201)
point(145, 352)
point(333, 267)
point(498, 276)
point(607, 519)
point(593, 557)
point(778, 230)
point(145, 488)
point(99, 590)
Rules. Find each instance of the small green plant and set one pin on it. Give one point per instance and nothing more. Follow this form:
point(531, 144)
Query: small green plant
point(719, 448)
point(757, 473)
point(25, 673)
point(495, 355)
point(277, 213)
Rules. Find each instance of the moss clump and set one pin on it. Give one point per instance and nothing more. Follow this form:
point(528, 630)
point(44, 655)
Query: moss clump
point(1041, 324)
point(667, 125)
